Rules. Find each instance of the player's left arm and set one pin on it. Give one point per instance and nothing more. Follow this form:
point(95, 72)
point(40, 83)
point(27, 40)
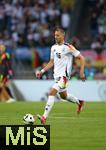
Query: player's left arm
point(82, 66)
point(79, 56)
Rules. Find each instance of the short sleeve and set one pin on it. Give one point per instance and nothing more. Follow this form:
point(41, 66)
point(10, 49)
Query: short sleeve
point(52, 53)
point(74, 51)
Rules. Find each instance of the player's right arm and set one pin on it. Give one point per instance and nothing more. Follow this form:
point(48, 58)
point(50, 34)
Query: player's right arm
point(46, 68)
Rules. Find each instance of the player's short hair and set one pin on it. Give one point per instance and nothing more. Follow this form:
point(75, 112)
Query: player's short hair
point(60, 30)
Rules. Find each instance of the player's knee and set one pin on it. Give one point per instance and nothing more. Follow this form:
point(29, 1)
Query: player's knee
point(51, 94)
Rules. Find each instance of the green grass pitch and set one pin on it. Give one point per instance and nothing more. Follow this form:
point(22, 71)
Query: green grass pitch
point(69, 131)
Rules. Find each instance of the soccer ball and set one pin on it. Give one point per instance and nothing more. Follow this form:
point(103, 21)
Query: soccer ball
point(29, 119)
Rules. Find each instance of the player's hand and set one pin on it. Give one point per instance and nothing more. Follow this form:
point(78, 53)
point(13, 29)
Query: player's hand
point(82, 76)
point(38, 74)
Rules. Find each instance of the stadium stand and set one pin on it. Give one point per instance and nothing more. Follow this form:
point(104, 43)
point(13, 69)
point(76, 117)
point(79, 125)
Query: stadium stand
point(26, 28)
point(28, 24)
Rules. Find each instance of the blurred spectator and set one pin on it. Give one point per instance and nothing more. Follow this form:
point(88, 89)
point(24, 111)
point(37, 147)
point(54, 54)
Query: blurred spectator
point(97, 47)
point(100, 74)
point(97, 19)
point(93, 24)
point(90, 71)
point(104, 72)
point(5, 74)
point(102, 22)
point(76, 42)
point(65, 19)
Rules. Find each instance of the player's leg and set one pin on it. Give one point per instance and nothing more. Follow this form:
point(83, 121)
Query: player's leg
point(63, 93)
point(49, 105)
point(50, 102)
point(69, 97)
point(6, 82)
point(5, 92)
point(5, 95)
point(73, 99)
point(9, 92)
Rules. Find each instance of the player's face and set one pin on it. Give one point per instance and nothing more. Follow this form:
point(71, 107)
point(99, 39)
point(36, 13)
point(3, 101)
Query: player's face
point(59, 37)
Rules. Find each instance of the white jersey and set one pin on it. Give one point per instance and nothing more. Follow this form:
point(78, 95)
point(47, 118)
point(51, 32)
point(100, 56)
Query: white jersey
point(63, 59)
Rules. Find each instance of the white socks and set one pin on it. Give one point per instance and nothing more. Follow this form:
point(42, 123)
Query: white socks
point(49, 106)
point(51, 100)
point(72, 98)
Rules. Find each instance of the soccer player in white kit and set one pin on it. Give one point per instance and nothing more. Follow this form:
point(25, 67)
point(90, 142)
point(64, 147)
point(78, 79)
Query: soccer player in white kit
point(61, 58)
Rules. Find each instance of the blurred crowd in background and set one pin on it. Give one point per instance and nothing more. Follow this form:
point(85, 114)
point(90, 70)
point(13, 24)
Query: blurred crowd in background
point(30, 22)
point(97, 11)
point(26, 28)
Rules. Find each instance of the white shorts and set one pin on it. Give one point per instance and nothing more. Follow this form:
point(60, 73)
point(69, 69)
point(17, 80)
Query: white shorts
point(60, 84)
